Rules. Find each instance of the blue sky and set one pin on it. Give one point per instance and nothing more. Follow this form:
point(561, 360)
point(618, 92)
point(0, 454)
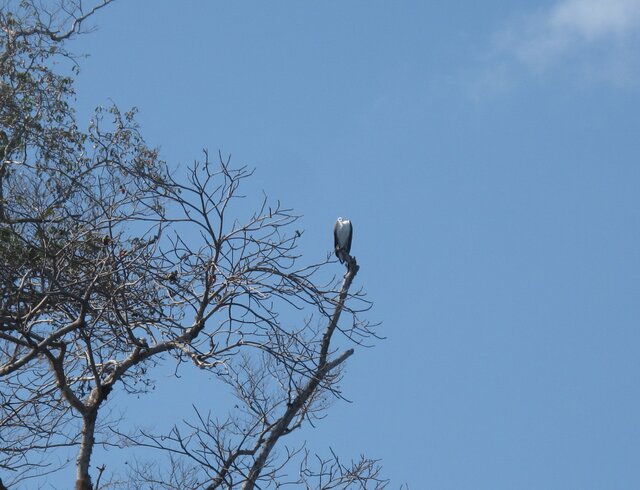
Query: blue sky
point(488, 155)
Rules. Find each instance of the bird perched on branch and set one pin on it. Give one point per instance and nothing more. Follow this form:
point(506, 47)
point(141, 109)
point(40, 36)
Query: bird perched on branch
point(342, 235)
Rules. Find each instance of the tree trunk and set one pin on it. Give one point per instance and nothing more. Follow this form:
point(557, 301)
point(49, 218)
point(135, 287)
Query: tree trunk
point(83, 478)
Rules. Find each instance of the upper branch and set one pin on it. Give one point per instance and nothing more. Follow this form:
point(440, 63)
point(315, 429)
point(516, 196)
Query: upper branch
point(324, 367)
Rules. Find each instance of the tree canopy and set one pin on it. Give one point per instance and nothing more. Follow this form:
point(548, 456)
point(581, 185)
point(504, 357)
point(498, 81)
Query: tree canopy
point(113, 262)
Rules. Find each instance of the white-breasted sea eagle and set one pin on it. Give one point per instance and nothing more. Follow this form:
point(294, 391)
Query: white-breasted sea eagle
point(342, 235)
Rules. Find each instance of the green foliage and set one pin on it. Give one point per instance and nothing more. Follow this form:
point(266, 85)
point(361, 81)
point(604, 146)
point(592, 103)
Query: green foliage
point(66, 195)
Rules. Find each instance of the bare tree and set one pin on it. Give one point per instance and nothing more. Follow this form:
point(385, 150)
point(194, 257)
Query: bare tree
point(111, 264)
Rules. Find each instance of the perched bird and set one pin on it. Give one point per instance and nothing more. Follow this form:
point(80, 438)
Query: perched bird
point(342, 234)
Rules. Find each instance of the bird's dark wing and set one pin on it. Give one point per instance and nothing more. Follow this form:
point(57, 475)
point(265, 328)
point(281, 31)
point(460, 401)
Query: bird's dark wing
point(348, 247)
point(335, 236)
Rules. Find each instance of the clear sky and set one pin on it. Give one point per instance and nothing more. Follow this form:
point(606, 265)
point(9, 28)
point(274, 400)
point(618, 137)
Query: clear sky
point(488, 156)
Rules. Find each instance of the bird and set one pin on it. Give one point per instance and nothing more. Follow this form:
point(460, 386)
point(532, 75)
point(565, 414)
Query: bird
point(342, 234)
